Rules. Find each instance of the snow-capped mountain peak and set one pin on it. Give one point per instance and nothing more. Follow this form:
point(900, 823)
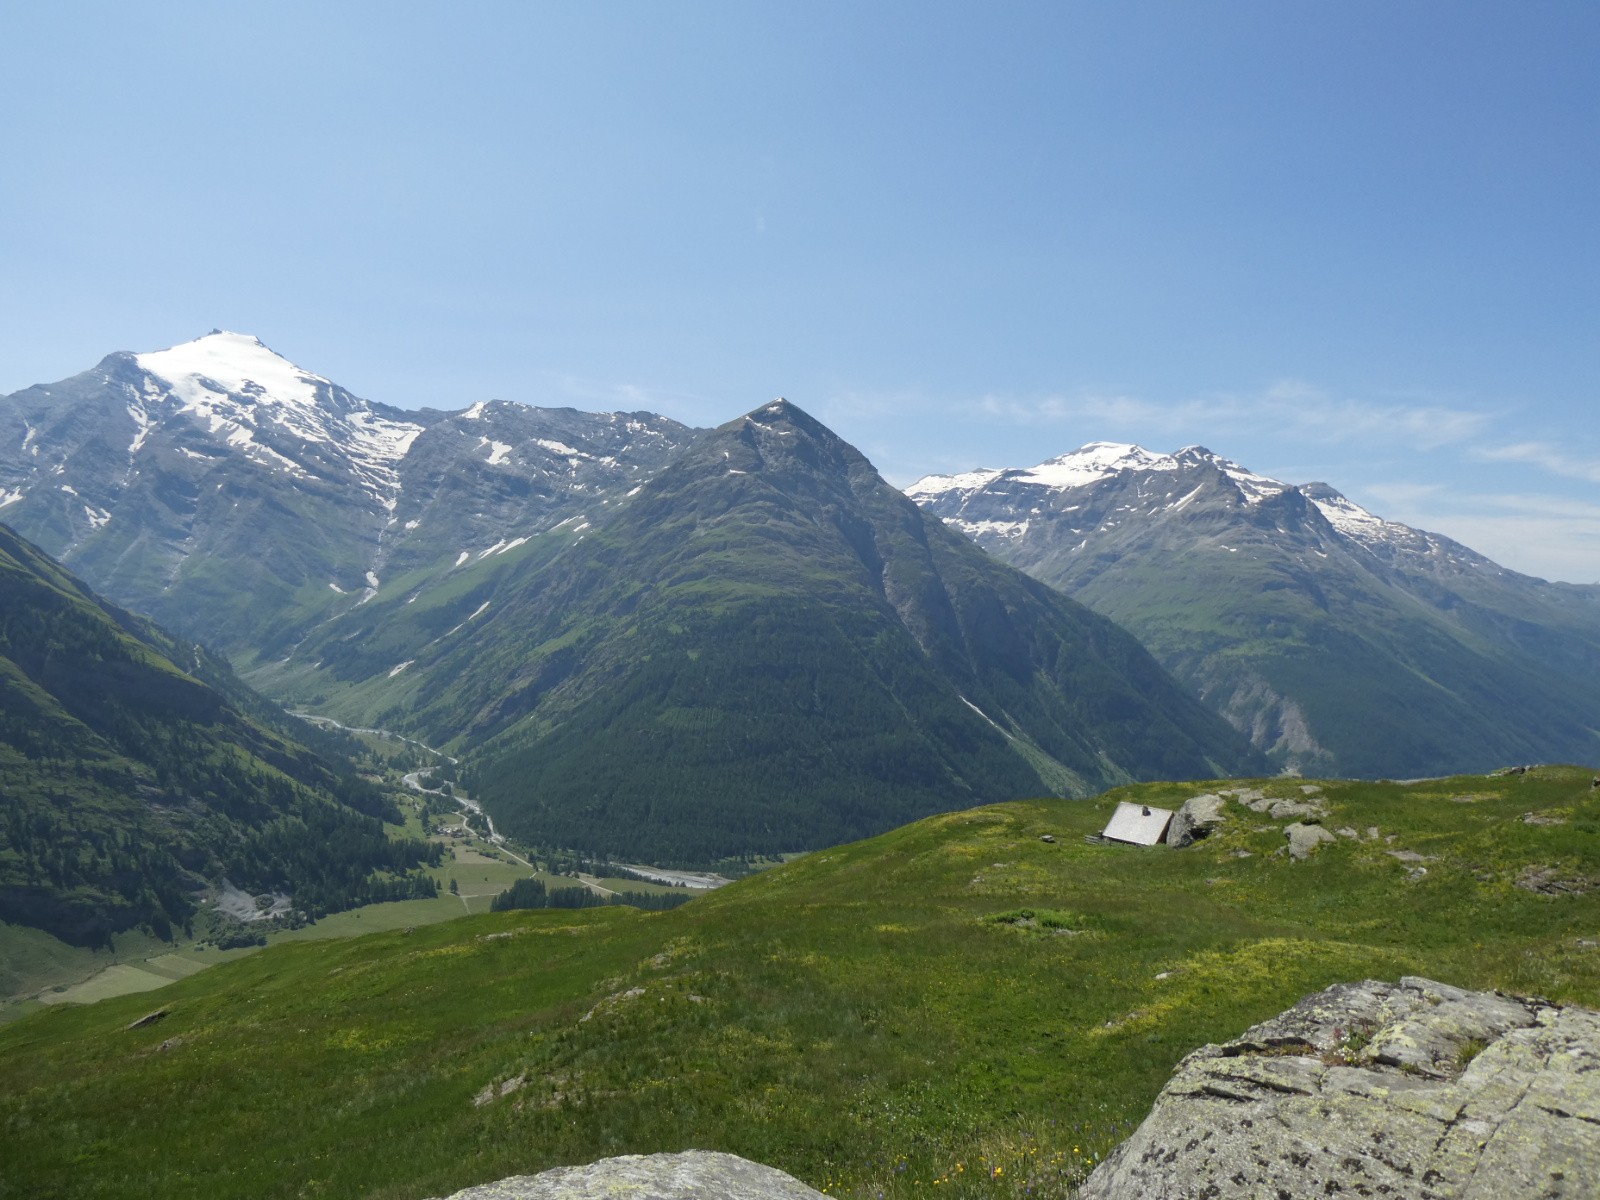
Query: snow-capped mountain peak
point(1093, 462)
point(1097, 461)
point(1085, 465)
point(223, 363)
point(246, 394)
point(1069, 493)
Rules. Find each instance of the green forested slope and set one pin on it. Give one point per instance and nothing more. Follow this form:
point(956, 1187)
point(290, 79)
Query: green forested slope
point(129, 782)
point(955, 1006)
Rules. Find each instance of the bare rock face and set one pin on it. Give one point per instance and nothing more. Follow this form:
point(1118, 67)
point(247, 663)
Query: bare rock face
point(1409, 1091)
point(691, 1175)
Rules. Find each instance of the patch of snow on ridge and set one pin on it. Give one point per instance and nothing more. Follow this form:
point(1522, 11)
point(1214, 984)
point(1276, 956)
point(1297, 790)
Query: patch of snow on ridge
point(966, 481)
point(398, 667)
point(1350, 519)
point(497, 452)
point(1180, 505)
point(10, 497)
point(463, 556)
point(380, 438)
point(97, 516)
point(478, 612)
point(978, 529)
point(268, 455)
point(500, 547)
point(142, 426)
point(560, 448)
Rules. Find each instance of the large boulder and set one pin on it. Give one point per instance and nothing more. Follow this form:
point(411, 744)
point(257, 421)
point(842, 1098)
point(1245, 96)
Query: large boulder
point(1197, 818)
point(1410, 1090)
point(691, 1175)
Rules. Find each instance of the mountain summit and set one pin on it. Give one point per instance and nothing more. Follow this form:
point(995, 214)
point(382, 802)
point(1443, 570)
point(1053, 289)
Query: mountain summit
point(765, 648)
point(1309, 621)
point(241, 499)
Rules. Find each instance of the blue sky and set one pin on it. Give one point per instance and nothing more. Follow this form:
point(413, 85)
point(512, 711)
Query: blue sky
point(1355, 241)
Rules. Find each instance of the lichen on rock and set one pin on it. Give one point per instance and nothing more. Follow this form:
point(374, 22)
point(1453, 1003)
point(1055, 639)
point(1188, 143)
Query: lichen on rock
point(1410, 1090)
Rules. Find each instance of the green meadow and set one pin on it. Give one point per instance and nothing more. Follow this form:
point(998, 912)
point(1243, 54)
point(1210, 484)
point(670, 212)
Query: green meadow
point(957, 1006)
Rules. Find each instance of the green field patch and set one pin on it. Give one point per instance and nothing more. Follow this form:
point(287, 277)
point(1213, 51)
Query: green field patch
point(173, 966)
point(119, 979)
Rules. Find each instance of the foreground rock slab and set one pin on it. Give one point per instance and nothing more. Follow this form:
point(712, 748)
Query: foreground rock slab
point(1409, 1090)
point(691, 1175)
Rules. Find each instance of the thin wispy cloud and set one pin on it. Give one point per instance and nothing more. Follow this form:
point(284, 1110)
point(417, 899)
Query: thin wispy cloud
point(1544, 455)
point(1290, 407)
point(1552, 537)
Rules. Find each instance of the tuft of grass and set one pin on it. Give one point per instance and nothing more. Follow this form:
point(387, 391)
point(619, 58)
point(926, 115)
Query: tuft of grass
point(1470, 1049)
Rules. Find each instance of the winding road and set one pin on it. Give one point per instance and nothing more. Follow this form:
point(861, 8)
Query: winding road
point(413, 780)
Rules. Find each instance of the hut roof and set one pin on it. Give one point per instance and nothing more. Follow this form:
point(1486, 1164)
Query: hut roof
point(1138, 823)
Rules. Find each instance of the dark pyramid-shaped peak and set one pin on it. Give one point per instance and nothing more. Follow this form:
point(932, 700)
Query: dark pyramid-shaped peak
point(782, 419)
point(776, 447)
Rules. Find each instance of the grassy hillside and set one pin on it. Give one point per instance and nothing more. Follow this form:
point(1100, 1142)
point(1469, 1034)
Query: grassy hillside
point(955, 1004)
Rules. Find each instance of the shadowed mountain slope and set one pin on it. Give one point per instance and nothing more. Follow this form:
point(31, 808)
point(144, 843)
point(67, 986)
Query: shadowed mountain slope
point(129, 781)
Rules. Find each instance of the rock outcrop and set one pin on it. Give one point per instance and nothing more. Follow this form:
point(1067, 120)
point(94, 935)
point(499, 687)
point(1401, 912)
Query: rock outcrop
point(691, 1175)
point(1305, 838)
point(1410, 1090)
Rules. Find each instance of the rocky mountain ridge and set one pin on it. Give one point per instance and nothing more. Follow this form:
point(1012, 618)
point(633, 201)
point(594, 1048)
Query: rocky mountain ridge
point(1303, 617)
point(242, 500)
